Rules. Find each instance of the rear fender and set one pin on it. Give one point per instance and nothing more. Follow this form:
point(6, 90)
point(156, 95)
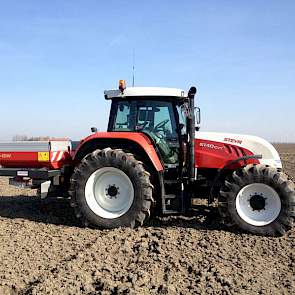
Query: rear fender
point(138, 142)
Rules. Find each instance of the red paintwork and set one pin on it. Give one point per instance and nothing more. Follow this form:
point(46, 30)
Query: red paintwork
point(137, 137)
point(21, 160)
point(212, 154)
point(30, 160)
point(209, 154)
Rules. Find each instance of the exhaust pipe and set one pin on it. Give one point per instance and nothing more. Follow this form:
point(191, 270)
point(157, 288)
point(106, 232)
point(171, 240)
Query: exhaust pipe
point(192, 128)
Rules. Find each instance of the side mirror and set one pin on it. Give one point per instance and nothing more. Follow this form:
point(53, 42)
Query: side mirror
point(93, 129)
point(198, 115)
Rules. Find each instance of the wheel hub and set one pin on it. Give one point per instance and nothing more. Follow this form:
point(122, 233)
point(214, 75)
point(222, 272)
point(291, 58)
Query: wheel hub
point(257, 202)
point(112, 191)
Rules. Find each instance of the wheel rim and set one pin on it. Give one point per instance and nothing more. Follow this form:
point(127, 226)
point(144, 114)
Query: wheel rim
point(258, 204)
point(109, 192)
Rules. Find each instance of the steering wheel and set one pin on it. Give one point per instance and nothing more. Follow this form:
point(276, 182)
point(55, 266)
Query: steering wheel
point(160, 126)
point(142, 126)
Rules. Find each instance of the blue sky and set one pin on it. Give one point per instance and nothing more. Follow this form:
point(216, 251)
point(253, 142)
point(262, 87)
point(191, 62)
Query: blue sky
point(57, 57)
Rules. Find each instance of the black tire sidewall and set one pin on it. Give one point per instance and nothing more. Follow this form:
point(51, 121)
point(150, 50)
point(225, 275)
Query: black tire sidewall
point(129, 168)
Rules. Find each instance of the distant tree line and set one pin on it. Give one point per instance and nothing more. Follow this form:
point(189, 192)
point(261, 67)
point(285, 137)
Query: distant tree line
point(20, 137)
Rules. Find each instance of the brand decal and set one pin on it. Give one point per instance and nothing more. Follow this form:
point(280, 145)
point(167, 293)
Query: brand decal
point(232, 140)
point(5, 156)
point(211, 146)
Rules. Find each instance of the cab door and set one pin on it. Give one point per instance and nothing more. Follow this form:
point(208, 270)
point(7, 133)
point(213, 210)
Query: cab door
point(157, 119)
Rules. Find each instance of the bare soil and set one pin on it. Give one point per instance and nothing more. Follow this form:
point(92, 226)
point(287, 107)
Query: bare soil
point(43, 250)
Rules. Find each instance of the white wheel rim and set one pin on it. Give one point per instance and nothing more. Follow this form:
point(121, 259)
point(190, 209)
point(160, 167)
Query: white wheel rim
point(246, 210)
point(109, 192)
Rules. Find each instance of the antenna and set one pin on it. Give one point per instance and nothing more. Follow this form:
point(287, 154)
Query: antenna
point(133, 69)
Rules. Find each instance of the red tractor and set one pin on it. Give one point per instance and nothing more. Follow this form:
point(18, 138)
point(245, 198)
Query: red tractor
point(153, 158)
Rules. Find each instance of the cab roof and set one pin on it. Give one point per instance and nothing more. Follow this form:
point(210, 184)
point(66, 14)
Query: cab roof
point(145, 92)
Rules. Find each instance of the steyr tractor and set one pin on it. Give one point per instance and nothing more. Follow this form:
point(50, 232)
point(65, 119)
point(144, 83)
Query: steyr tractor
point(154, 159)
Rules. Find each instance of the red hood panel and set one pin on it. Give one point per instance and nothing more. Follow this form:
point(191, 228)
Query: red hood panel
point(213, 154)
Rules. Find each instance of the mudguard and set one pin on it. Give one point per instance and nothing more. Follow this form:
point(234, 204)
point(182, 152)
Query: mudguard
point(139, 138)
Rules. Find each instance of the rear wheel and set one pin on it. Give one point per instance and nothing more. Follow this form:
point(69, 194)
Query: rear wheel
point(258, 199)
point(110, 189)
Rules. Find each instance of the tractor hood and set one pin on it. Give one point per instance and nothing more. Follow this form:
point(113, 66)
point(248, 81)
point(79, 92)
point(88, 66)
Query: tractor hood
point(222, 147)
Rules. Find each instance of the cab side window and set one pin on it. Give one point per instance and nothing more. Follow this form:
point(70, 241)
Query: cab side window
point(182, 118)
point(164, 115)
point(122, 120)
point(157, 117)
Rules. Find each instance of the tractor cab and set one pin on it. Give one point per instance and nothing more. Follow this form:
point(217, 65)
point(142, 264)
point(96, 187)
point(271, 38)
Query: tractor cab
point(160, 113)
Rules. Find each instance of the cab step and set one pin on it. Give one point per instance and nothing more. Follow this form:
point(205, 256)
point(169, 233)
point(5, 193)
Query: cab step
point(171, 181)
point(171, 212)
point(169, 197)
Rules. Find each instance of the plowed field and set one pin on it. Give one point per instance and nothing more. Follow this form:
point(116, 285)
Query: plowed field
point(43, 250)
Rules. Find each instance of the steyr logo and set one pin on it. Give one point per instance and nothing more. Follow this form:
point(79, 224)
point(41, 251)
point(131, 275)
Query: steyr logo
point(232, 140)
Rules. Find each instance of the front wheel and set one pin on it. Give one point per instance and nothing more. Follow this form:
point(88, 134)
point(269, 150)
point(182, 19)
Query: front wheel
point(110, 188)
point(258, 199)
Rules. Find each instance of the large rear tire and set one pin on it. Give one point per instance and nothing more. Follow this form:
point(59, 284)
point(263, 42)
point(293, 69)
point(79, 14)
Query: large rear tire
point(110, 189)
point(258, 199)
